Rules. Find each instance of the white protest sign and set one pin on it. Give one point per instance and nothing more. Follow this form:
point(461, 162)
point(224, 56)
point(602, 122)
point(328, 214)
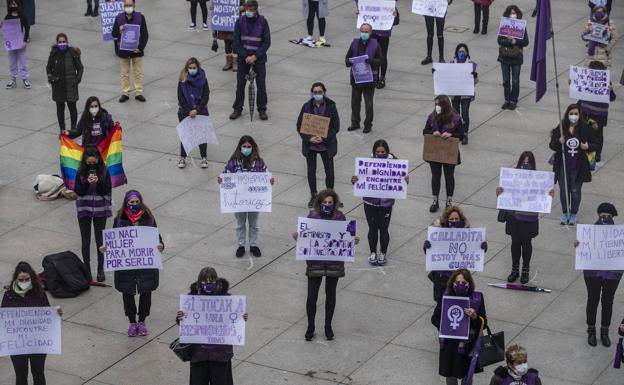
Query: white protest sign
point(598, 33)
point(601, 247)
point(325, 240)
point(378, 13)
point(195, 131)
point(29, 330)
point(131, 248)
point(453, 249)
point(453, 79)
point(590, 85)
point(213, 319)
point(525, 190)
point(380, 178)
point(243, 192)
point(436, 8)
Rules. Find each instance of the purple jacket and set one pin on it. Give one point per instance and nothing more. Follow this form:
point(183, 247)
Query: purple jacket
point(12, 299)
point(612, 275)
point(236, 165)
point(338, 216)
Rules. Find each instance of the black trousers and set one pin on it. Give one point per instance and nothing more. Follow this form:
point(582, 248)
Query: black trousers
point(130, 309)
point(93, 6)
point(384, 43)
point(314, 284)
point(478, 9)
point(356, 105)
point(99, 224)
point(439, 31)
point(229, 46)
point(241, 82)
point(328, 164)
point(313, 10)
point(203, 148)
point(60, 114)
point(521, 247)
point(462, 106)
point(37, 368)
point(378, 219)
point(436, 176)
point(204, 10)
point(211, 373)
point(594, 287)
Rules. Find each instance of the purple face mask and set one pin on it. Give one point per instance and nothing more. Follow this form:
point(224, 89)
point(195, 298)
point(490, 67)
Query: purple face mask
point(461, 288)
point(383, 156)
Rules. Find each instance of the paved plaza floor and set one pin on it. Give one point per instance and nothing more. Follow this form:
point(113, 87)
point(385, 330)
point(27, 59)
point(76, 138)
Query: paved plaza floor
point(383, 333)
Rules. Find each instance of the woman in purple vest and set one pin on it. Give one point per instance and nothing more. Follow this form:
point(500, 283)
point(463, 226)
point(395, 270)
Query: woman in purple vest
point(454, 359)
point(445, 122)
point(516, 371)
point(596, 281)
point(325, 207)
point(94, 205)
point(95, 123)
point(461, 103)
point(193, 93)
point(311, 146)
point(210, 364)
point(378, 212)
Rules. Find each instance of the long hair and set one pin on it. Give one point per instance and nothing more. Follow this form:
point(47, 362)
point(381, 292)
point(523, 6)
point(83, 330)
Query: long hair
point(320, 197)
point(122, 209)
point(515, 8)
point(92, 151)
point(184, 73)
point(565, 122)
point(384, 144)
point(206, 274)
point(247, 160)
point(447, 213)
point(450, 289)
point(24, 267)
point(86, 119)
point(446, 117)
point(526, 154)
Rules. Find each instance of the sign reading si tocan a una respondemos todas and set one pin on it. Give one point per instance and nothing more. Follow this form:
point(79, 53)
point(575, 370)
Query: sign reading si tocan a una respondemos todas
point(213, 319)
point(453, 249)
point(131, 248)
point(381, 178)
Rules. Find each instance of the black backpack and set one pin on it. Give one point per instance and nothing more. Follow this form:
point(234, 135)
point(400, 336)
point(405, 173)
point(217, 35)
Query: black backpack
point(65, 275)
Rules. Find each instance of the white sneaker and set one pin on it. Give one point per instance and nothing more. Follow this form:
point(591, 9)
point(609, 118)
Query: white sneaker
point(192, 26)
point(309, 38)
point(10, 84)
point(373, 258)
point(323, 40)
point(27, 84)
point(182, 163)
point(381, 260)
point(205, 27)
point(204, 163)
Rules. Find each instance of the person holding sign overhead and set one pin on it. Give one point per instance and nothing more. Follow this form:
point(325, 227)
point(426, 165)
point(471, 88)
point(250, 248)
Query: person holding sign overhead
point(25, 290)
point(445, 123)
point(193, 93)
point(128, 25)
point(364, 58)
point(597, 281)
point(324, 143)
point(511, 58)
point(16, 30)
point(246, 158)
point(134, 212)
point(577, 142)
point(461, 103)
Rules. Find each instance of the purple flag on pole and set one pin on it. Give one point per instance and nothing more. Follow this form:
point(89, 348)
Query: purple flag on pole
point(543, 32)
point(454, 323)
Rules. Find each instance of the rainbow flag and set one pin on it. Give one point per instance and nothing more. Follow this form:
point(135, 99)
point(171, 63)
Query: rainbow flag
point(110, 148)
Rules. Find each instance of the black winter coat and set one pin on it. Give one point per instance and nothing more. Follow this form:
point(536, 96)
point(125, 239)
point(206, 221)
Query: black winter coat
point(64, 70)
point(504, 41)
point(66, 276)
point(586, 135)
point(334, 126)
point(140, 280)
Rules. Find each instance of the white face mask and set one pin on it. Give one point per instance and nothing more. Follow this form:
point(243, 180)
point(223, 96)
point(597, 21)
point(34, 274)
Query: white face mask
point(128, 10)
point(24, 285)
point(438, 109)
point(513, 16)
point(573, 118)
point(521, 369)
point(94, 110)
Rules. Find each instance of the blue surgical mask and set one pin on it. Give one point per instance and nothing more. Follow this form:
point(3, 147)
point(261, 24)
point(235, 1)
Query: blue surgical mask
point(526, 166)
point(246, 151)
point(209, 287)
point(62, 46)
point(461, 288)
point(364, 36)
point(250, 14)
point(462, 56)
point(326, 209)
point(192, 71)
point(318, 97)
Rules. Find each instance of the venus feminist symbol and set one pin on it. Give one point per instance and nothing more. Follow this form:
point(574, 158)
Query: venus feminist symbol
point(455, 314)
point(573, 144)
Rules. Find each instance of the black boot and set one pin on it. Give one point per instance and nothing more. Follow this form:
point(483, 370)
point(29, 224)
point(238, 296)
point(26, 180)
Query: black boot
point(604, 336)
point(524, 277)
point(465, 139)
point(484, 29)
point(591, 336)
point(88, 13)
point(441, 48)
point(329, 333)
point(434, 206)
point(514, 275)
point(309, 335)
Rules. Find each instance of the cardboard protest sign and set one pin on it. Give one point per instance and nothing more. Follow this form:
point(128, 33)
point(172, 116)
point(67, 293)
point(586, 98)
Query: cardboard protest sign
point(315, 125)
point(108, 13)
point(525, 190)
point(435, 8)
point(131, 248)
point(453, 249)
point(512, 28)
point(130, 37)
point(454, 323)
point(213, 319)
point(453, 79)
point(325, 240)
point(598, 33)
point(590, 85)
point(29, 330)
point(381, 178)
point(12, 34)
point(362, 71)
point(224, 15)
point(601, 247)
point(438, 149)
point(246, 192)
point(378, 13)
point(195, 131)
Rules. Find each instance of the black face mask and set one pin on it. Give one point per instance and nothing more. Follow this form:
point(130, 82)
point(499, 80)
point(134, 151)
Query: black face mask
point(606, 220)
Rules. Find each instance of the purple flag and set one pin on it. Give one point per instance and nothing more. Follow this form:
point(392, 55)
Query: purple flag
point(543, 32)
point(130, 37)
point(454, 323)
point(362, 72)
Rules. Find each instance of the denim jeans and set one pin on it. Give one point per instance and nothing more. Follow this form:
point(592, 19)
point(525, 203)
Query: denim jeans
point(241, 219)
point(574, 191)
point(511, 81)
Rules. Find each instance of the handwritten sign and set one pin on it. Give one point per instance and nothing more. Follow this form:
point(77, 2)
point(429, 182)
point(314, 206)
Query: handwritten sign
point(454, 323)
point(601, 247)
point(213, 319)
point(315, 125)
point(380, 178)
point(29, 330)
point(362, 71)
point(512, 28)
point(131, 248)
point(525, 190)
point(435, 8)
point(243, 192)
point(590, 85)
point(453, 79)
point(598, 33)
point(224, 15)
point(195, 131)
point(453, 249)
point(440, 150)
point(130, 37)
point(378, 13)
point(108, 13)
point(12, 34)
point(325, 240)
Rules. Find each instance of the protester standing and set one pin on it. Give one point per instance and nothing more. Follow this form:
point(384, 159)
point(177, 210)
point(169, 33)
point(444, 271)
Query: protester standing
point(461, 103)
point(64, 70)
point(28, 6)
point(481, 7)
point(133, 58)
point(25, 290)
point(193, 94)
point(18, 59)
point(204, 11)
point(93, 8)
point(511, 58)
point(595, 50)
point(430, 21)
point(231, 58)
point(95, 123)
point(365, 45)
point(516, 369)
point(320, 8)
point(311, 146)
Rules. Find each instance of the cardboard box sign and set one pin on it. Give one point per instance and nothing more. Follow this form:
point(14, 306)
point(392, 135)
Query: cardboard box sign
point(438, 149)
point(315, 125)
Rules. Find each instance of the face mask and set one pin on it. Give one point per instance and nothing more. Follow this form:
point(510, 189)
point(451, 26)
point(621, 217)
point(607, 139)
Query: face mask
point(62, 46)
point(364, 36)
point(606, 220)
point(599, 15)
point(327, 209)
point(526, 166)
point(456, 224)
point(382, 156)
point(208, 288)
point(461, 287)
point(246, 151)
point(192, 71)
point(461, 56)
point(438, 110)
point(521, 369)
point(513, 16)
point(94, 110)
point(134, 207)
point(24, 285)
point(250, 14)
point(573, 118)
point(318, 97)
point(128, 10)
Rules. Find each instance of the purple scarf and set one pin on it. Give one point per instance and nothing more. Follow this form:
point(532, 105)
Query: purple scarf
point(193, 88)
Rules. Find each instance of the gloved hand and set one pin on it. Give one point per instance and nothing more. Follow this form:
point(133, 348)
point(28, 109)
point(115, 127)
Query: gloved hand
point(484, 246)
point(426, 245)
